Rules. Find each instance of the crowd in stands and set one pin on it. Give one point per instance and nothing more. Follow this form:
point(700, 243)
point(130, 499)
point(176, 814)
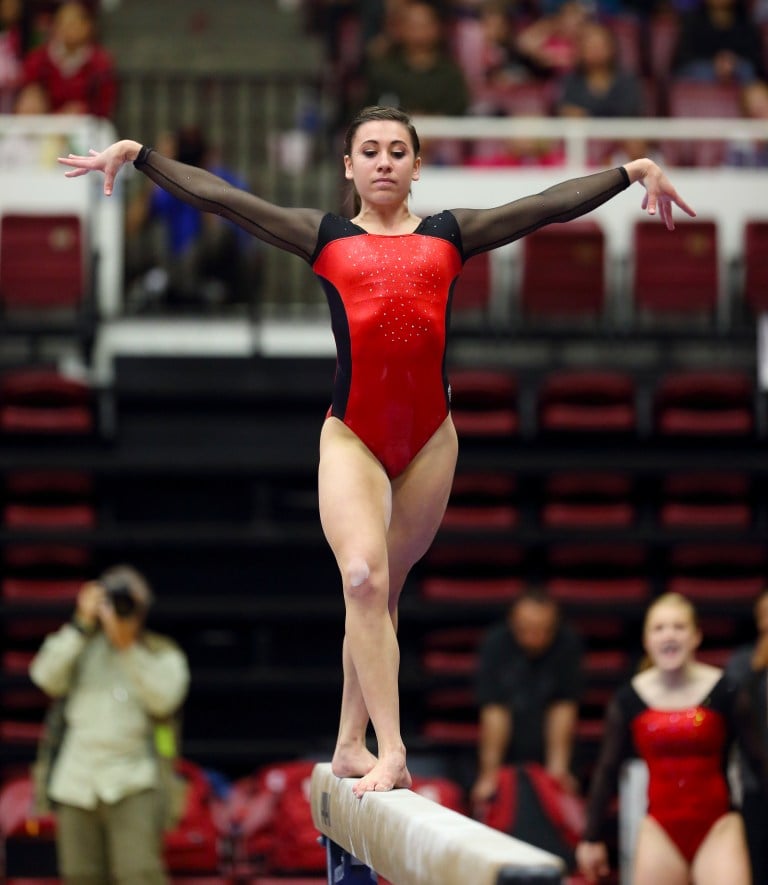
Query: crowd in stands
point(51, 59)
point(588, 58)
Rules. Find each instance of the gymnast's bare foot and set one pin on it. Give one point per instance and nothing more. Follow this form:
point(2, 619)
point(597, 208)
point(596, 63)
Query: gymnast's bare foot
point(389, 772)
point(352, 761)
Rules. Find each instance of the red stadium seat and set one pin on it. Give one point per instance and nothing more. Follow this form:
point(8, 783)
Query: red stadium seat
point(587, 401)
point(688, 98)
point(564, 271)
point(42, 261)
point(31, 590)
point(587, 500)
point(482, 500)
point(522, 99)
point(472, 292)
point(696, 100)
point(478, 590)
point(599, 575)
point(730, 574)
point(41, 401)
point(455, 734)
point(613, 664)
point(702, 403)
point(454, 639)
point(756, 266)
point(600, 592)
point(704, 500)
point(675, 272)
point(741, 590)
point(484, 402)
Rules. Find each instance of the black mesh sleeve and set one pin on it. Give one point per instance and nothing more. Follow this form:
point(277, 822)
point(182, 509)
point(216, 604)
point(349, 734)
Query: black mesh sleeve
point(484, 229)
point(294, 230)
point(615, 748)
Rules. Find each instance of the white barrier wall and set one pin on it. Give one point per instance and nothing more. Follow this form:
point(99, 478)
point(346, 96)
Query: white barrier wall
point(32, 181)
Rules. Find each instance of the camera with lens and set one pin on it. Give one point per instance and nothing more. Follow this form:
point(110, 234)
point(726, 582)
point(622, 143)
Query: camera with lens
point(120, 597)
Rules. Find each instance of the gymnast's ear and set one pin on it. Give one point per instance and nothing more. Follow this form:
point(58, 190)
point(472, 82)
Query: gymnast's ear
point(416, 169)
point(348, 167)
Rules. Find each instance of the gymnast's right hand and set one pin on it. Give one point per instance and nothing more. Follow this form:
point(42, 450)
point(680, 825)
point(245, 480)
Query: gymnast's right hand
point(592, 860)
point(109, 161)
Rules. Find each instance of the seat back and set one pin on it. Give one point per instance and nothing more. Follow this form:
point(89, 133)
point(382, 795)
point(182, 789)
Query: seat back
point(42, 261)
point(756, 265)
point(676, 272)
point(563, 271)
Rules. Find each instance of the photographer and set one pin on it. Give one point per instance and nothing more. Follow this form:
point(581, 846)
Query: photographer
point(117, 682)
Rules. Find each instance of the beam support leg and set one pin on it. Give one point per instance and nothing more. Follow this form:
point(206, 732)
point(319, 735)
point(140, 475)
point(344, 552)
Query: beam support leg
point(344, 869)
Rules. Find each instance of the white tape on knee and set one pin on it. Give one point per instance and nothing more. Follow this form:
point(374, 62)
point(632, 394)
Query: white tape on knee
point(358, 573)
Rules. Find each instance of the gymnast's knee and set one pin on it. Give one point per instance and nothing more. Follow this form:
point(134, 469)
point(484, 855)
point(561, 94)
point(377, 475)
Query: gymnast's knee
point(356, 575)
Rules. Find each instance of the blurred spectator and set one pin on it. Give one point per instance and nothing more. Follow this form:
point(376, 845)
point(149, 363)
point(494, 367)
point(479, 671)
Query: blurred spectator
point(748, 666)
point(10, 53)
point(528, 688)
point(77, 73)
point(19, 148)
point(491, 59)
point(747, 152)
point(760, 11)
point(418, 74)
point(598, 86)
point(595, 7)
point(187, 257)
point(718, 43)
point(118, 683)
point(550, 44)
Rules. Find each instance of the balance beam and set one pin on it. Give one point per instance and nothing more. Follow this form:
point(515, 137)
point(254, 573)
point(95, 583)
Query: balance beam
point(411, 840)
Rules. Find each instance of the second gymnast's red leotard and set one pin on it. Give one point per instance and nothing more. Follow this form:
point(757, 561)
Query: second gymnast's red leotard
point(389, 296)
point(686, 754)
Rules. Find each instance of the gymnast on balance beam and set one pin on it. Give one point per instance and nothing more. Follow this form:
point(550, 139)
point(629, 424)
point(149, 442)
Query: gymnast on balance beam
point(388, 447)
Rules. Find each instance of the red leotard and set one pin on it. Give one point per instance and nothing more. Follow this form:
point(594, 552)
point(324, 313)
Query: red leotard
point(686, 754)
point(389, 296)
point(684, 751)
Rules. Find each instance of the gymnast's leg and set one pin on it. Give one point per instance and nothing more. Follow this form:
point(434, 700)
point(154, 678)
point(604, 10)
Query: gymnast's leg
point(657, 859)
point(355, 507)
point(417, 505)
point(723, 855)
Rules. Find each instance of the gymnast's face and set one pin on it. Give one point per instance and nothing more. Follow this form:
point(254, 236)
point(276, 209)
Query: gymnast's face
point(382, 163)
point(671, 636)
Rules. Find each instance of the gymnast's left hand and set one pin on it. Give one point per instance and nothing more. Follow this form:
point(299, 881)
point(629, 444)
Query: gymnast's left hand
point(660, 193)
point(109, 162)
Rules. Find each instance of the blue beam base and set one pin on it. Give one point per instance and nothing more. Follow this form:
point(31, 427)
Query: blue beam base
point(344, 869)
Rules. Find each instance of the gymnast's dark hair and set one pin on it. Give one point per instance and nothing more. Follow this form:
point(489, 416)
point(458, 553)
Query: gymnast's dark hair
point(381, 112)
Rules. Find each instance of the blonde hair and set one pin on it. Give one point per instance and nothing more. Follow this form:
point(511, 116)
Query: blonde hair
point(672, 598)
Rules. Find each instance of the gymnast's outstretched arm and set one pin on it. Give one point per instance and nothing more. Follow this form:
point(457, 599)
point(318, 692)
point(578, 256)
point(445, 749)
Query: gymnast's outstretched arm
point(484, 229)
point(294, 230)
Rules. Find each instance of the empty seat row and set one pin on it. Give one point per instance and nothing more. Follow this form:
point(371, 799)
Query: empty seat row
point(591, 499)
point(39, 400)
point(564, 273)
point(486, 403)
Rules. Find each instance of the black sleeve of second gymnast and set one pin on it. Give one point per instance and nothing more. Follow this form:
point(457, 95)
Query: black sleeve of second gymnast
point(616, 746)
